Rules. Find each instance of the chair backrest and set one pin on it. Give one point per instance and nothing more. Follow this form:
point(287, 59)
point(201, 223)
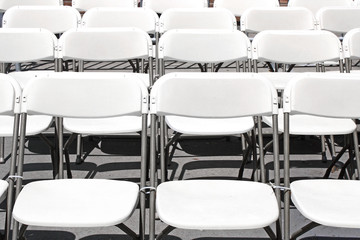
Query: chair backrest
point(296, 47)
point(237, 7)
point(198, 18)
point(213, 95)
point(84, 5)
point(71, 94)
point(160, 6)
point(338, 20)
point(204, 46)
point(351, 44)
point(26, 45)
point(6, 4)
point(10, 95)
point(56, 19)
point(255, 20)
point(316, 5)
point(145, 19)
point(320, 95)
point(105, 44)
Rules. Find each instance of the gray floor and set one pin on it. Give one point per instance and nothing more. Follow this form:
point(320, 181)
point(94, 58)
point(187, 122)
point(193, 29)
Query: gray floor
point(217, 157)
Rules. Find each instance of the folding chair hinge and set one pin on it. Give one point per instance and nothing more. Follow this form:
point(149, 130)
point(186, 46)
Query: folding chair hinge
point(14, 177)
point(147, 190)
point(279, 187)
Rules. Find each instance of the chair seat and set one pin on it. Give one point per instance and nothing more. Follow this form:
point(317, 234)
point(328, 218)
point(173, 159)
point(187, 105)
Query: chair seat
point(104, 126)
point(3, 189)
point(333, 203)
point(203, 126)
point(35, 125)
point(313, 125)
point(216, 204)
point(76, 203)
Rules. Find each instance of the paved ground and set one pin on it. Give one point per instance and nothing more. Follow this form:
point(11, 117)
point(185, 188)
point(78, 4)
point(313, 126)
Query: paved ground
point(218, 157)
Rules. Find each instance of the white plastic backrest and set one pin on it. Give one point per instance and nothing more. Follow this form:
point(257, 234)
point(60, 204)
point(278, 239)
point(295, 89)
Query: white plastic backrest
point(105, 44)
point(6, 4)
point(160, 6)
point(145, 19)
point(199, 18)
point(213, 95)
point(10, 95)
point(204, 46)
point(338, 19)
point(321, 94)
point(316, 5)
point(296, 47)
point(26, 44)
point(84, 5)
point(255, 20)
point(85, 95)
point(237, 7)
point(56, 19)
point(351, 44)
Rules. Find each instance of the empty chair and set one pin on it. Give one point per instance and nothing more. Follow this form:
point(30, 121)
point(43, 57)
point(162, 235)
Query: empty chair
point(204, 47)
point(316, 5)
point(213, 204)
point(320, 95)
point(237, 7)
point(197, 18)
point(84, 5)
point(160, 6)
point(338, 20)
point(351, 48)
point(6, 4)
point(255, 20)
point(81, 202)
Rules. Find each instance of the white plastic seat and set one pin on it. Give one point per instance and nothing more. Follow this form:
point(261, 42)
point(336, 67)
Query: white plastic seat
point(318, 95)
point(41, 203)
point(206, 204)
point(6, 4)
point(338, 20)
point(257, 19)
point(351, 48)
point(238, 7)
point(214, 204)
point(160, 6)
point(85, 5)
point(315, 5)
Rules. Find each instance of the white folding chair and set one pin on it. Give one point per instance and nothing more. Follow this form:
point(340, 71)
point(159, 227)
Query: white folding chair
point(9, 127)
point(255, 20)
point(160, 6)
point(6, 4)
point(316, 5)
point(322, 95)
point(204, 47)
point(105, 44)
point(213, 204)
point(237, 7)
point(85, 5)
point(351, 48)
point(89, 202)
point(311, 47)
point(338, 20)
